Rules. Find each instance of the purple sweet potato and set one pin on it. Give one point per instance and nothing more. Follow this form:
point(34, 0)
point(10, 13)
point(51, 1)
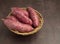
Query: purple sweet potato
point(21, 17)
point(33, 16)
point(21, 10)
point(14, 24)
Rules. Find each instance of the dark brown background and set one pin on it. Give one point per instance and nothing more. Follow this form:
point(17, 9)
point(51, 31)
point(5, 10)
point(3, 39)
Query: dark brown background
point(50, 32)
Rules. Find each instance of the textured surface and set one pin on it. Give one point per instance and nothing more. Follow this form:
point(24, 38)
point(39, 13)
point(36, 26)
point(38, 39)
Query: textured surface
point(50, 32)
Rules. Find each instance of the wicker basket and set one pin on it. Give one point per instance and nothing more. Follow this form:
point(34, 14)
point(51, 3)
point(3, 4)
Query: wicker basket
point(35, 30)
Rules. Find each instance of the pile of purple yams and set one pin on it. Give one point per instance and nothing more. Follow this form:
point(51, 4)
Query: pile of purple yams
point(22, 20)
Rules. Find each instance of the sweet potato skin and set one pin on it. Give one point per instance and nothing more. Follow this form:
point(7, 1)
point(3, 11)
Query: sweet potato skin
point(33, 16)
point(21, 10)
point(11, 18)
point(13, 23)
point(21, 17)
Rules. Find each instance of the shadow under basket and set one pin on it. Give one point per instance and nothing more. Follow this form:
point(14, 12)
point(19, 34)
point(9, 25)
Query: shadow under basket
point(35, 30)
